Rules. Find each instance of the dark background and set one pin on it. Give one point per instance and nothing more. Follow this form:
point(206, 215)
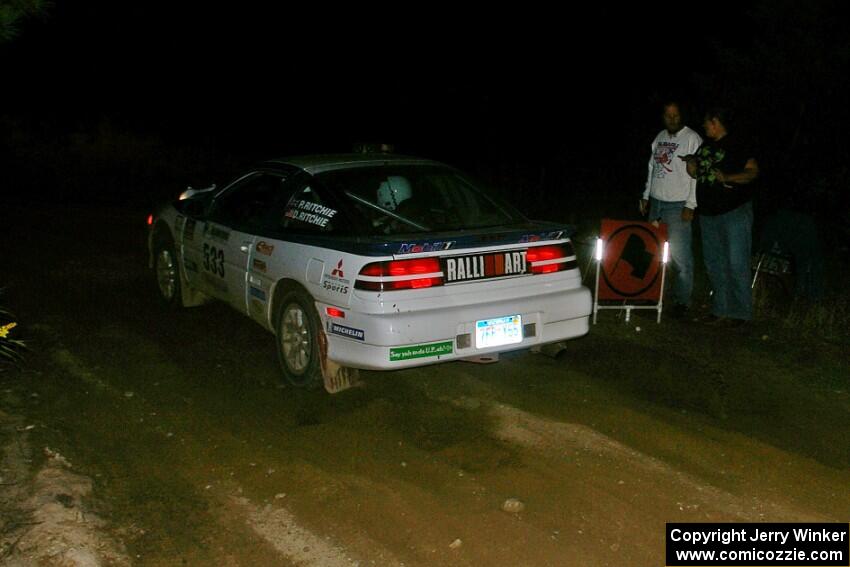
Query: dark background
point(126, 104)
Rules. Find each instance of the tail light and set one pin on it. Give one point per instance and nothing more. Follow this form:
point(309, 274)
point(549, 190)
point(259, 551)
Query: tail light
point(150, 220)
point(400, 274)
point(335, 312)
point(549, 259)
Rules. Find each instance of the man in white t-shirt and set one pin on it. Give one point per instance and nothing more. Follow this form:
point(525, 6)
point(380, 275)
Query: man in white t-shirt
point(670, 197)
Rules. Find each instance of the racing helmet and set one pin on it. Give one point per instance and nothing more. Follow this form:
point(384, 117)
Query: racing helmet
point(393, 192)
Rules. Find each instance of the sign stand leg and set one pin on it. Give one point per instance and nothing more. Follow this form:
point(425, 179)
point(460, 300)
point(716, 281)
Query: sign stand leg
point(758, 268)
point(596, 293)
point(663, 276)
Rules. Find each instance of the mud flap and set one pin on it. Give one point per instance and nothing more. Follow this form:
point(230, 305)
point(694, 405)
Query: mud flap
point(551, 350)
point(483, 359)
point(190, 297)
point(336, 377)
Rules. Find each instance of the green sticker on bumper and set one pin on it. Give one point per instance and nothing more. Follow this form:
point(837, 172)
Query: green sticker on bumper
point(421, 351)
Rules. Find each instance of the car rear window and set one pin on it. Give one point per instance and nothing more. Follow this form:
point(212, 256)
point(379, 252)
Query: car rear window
point(398, 199)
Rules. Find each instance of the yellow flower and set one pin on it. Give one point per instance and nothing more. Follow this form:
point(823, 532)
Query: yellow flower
point(4, 330)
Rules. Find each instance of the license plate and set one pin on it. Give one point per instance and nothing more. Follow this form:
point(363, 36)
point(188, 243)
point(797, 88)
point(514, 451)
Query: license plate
point(484, 266)
point(498, 332)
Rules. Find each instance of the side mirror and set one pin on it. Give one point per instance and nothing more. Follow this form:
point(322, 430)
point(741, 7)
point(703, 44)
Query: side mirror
point(190, 192)
point(195, 202)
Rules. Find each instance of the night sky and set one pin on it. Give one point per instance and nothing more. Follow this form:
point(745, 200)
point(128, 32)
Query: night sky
point(579, 86)
point(415, 76)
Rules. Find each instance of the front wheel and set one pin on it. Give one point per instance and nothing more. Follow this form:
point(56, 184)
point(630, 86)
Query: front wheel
point(297, 331)
point(168, 275)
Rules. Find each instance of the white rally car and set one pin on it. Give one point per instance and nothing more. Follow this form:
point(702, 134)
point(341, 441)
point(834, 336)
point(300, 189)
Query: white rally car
point(370, 262)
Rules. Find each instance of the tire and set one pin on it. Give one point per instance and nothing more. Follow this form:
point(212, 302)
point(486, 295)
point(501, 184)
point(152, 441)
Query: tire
point(167, 274)
point(297, 331)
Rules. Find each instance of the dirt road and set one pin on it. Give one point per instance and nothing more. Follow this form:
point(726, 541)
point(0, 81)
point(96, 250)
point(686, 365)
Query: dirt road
point(198, 455)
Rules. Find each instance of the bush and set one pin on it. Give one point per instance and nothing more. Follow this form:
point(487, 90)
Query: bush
point(10, 349)
point(824, 318)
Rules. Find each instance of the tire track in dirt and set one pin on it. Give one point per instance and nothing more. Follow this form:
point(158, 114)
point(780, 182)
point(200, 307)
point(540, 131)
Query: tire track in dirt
point(379, 516)
point(592, 500)
point(281, 529)
point(547, 437)
point(612, 501)
point(275, 525)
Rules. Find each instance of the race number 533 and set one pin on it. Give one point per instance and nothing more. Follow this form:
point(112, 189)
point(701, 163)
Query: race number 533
point(214, 260)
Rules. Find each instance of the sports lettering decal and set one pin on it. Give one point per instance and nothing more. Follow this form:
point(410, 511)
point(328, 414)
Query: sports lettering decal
point(214, 260)
point(421, 351)
point(310, 213)
point(556, 235)
point(631, 266)
point(483, 266)
point(264, 248)
point(344, 331)
point(414, 248)
point(335, 281)
point(217, 233)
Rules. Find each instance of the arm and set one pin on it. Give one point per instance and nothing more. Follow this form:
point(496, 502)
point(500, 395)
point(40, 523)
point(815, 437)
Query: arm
point(750, 173)
point(691, 202)
point(692, 168)
point(691, 160)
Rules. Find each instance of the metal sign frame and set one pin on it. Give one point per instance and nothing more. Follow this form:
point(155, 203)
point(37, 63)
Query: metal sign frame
point(659, 307)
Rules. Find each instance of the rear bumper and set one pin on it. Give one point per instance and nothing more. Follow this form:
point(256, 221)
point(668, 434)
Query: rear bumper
point(428, 336)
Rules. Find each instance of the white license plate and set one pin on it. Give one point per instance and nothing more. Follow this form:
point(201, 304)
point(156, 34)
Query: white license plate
point(499, 331)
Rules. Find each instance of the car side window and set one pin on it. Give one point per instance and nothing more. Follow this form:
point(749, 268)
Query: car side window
point(246, 205)
point(308, 210)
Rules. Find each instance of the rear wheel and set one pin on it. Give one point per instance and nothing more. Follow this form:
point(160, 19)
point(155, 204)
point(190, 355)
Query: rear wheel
point(167, 275)
point(297, 331)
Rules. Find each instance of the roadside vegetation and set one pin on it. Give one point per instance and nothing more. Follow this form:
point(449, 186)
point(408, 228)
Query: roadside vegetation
point(10, 347)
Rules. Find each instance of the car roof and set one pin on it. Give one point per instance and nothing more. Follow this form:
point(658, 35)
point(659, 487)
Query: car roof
point(319, 163)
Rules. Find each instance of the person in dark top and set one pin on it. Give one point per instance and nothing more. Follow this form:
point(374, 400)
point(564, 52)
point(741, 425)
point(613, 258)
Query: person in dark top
point(725, 169)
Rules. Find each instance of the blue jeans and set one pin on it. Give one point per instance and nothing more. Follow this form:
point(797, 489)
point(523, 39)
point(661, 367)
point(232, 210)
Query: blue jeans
point(679, 234)
point(727, 249)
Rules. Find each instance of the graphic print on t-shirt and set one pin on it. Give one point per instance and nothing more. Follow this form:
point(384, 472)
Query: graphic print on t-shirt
point(664, 154)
